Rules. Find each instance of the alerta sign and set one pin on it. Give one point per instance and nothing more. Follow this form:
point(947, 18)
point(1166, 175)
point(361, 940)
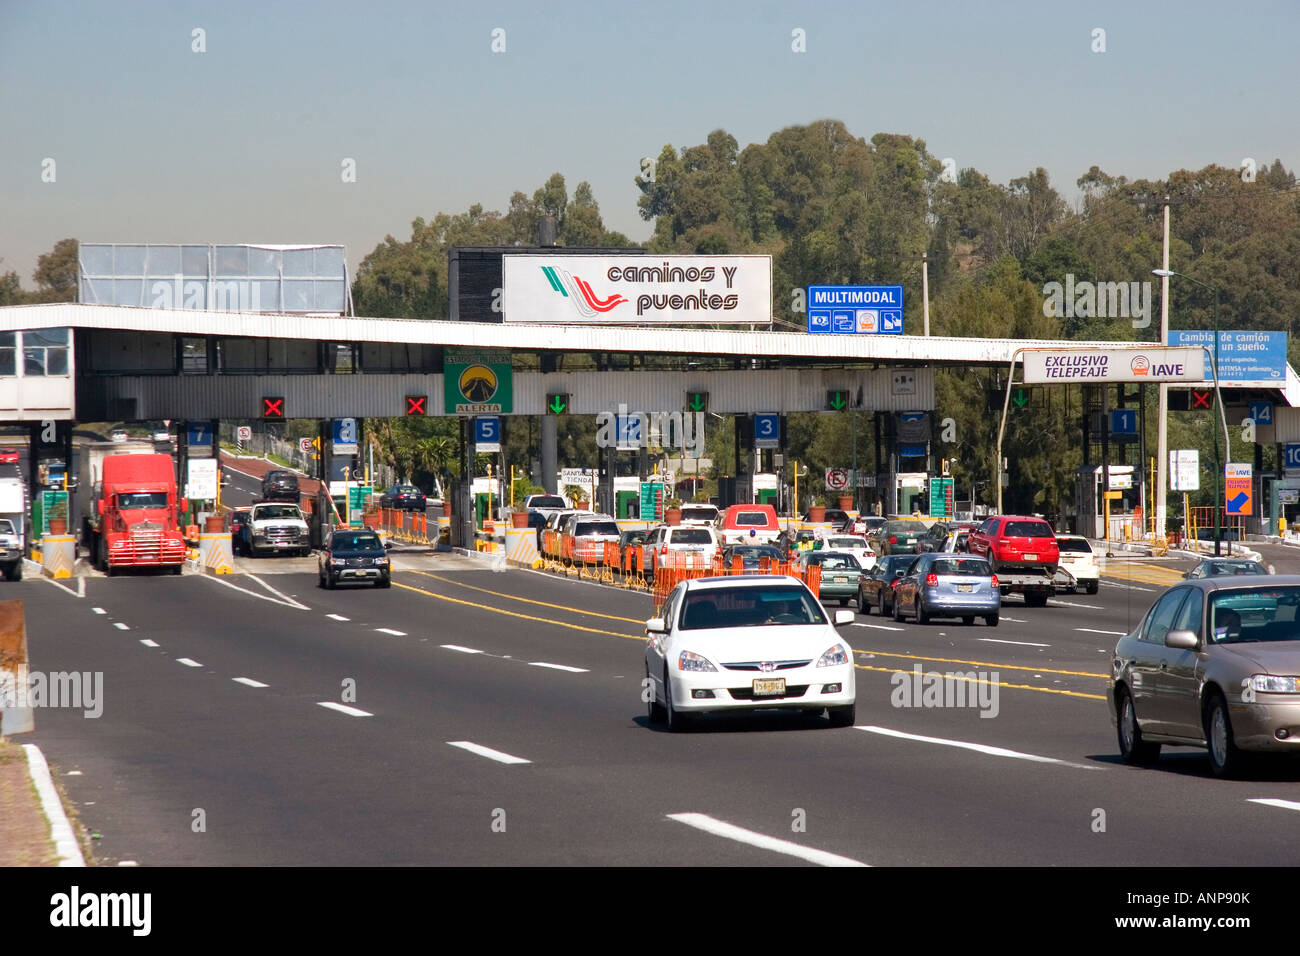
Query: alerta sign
point(1057, 366)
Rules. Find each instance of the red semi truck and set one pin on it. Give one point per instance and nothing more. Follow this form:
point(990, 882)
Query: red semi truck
point(134, 513)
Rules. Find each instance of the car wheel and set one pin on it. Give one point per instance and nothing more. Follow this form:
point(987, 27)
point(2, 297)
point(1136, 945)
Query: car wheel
point(921, 616)
point(1226, 760)
point(384, 583)
point(991, 620)
point(1035, 599)
point(677, 721)
point(654, 710)
point(844, 602)
point(330, 581)
point(898, 610)
point(843, 716)
point(863, 604)
point(1092, 588)
point(881, 596)
point(968, 620)
point(1132, 748)
point(320, 578)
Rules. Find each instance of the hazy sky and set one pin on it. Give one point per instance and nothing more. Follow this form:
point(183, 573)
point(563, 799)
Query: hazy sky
point(153, 142)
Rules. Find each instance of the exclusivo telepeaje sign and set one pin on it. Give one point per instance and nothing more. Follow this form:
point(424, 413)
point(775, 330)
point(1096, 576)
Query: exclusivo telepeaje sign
point(1154, 364)
point(637, 290)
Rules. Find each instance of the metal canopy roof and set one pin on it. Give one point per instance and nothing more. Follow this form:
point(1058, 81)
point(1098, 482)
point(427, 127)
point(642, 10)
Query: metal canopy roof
point(532, 338)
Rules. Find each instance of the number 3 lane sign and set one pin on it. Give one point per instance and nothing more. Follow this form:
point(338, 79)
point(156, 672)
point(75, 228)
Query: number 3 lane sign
point(767, 430)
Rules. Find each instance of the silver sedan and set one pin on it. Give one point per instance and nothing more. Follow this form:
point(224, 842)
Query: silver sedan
point(1214, 663)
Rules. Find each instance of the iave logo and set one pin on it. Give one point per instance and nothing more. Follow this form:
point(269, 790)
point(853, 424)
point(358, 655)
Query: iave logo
point(579, 292)
point(1141, 365)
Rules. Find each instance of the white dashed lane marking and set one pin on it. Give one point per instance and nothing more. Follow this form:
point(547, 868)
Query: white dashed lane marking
point(249, 682)
point(559, 667)
point(338, 617)
point(148, 643)
point(462, 650)
point(121, 627)
point(187, 662)
point(344, 709)
point(389, 630)
point(978, 748)
point(730, 831)
point(488, 752)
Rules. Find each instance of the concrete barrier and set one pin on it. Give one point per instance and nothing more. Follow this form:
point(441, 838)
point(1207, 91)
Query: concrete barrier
point(14, 719)
point(215, 555)
point(521, 547)
point(58, 555)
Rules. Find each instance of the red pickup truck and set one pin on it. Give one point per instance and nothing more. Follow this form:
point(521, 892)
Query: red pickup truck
point(1023, 553)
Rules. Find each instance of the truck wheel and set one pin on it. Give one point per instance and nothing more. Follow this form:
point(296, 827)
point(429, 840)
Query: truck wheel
point(174, 569)
point(1035, 599)
point(1092, 588)
point(15, 571)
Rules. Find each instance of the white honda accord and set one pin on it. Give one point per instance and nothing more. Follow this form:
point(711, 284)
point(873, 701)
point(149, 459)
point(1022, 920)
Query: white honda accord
point(744, 643)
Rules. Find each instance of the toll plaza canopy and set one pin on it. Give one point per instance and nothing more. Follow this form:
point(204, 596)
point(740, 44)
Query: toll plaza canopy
point(132, 363)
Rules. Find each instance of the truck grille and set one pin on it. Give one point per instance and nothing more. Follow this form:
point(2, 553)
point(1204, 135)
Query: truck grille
point(361, 562)
point(149, 546)
point(282, 533)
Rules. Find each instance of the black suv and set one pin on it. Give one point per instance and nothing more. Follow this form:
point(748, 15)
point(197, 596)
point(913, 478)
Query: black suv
point(353, 555)
point(278, 485)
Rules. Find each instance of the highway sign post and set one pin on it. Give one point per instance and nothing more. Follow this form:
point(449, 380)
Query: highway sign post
point(244, 432)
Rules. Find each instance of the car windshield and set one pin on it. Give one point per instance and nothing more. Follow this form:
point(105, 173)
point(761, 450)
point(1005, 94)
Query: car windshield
point(835, 562)
point(135, 500)
point(595, 527)
point(857, 543)
point(749, 607)
point(697, 514)
point(6, 526)
point(1028, 529)
point(547, 501)
point(751, 554)
point(1248, 615)
point(1074, 545)
point(1234, 567)
point(749, 519)
point(277, 511)
point(970, 567)
point(691, 536)
point(356, 542)
point(904, 527)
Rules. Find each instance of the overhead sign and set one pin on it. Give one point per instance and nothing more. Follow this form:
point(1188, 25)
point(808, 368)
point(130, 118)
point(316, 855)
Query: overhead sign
point(201, 479)
point(273, 406)
point(345, 436)
point(477, 382)
point(417, 404)
point(1292, 455)
point(1238, 496)
point(1185, 470)
point(1124, 421)
point(487, 434)
point(767, 430)
point(1261, 413)
point(652, 500)
point(1245, 358)
point(837, 479)
point(1120, 482)
point(637, 290)
point(198, 434)
point(941, 498)
point(856, 309)
point(1155, 364)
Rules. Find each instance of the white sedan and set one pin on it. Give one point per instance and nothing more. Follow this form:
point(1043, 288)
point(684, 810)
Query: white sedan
point(745, 643)
point(856, 545)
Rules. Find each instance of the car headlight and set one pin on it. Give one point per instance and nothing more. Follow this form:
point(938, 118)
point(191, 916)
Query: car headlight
point(1270, 684)
point(834, 655)
point(338, 562)
point(381, 562)
point(687, 661)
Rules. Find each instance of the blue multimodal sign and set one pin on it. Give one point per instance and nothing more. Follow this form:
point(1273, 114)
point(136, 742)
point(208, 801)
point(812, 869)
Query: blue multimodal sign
point(856, 309)
point(1245, 358)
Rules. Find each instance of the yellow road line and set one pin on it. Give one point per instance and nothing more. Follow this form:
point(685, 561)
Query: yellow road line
point(514, 597)
point(1041, 690)
point(526, 617)
point(1009, 667)
point(1146, 573)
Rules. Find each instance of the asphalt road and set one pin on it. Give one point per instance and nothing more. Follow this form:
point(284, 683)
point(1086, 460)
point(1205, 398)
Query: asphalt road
point(190, 763)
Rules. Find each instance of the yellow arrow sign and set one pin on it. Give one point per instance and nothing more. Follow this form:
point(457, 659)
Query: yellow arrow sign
point(315, 443)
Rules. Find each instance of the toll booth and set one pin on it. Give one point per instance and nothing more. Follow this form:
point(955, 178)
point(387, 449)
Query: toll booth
point(911, 491)
point(766, 489)
point(627, 497)
point(1089, 516)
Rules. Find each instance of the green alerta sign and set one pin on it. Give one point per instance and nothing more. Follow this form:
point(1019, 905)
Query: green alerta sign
point(358, 495)
point(477, 382)
point(941, 497)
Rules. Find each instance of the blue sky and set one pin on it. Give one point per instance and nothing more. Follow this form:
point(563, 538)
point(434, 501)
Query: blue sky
point(243, 143)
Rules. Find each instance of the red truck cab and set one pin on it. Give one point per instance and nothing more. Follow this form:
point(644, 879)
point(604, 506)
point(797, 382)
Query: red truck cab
point(138, 514)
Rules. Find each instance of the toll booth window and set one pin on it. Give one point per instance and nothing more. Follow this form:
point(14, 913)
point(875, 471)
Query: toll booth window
point(194, 356)
point(45, 352)
point(7, 353)
point(341, 358)
point(142, 499)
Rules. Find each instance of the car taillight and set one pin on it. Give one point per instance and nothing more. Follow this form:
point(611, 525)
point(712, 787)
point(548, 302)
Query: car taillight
point(893, 539)
point(663, 550)
point(931, 580)
point(993, 581)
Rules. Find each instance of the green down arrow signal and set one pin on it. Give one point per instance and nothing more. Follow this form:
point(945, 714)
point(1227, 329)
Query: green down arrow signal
point(558, 405)
point(837, 402)
point(1021, 398)
point(697, 402)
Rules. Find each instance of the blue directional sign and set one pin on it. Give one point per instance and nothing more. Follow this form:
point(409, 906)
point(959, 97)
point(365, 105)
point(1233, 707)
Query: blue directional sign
point(767, 430)
point(1124, 421)
point(198, 434)
point(1293, 456)
point(1245, 358)
point(345, 436)
point(911, 451)
point(1261, 413)
point(487, 433)
point(856, 309)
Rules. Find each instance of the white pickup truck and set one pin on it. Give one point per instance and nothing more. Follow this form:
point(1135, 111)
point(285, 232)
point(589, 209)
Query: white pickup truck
point(274, 526)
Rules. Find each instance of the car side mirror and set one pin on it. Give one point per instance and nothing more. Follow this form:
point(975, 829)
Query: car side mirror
point(1183, 640)
point(655, 625)
point(844, 617)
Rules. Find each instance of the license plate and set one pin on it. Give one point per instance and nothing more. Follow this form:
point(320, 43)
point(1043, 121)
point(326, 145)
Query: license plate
point(965, 588)
point(840, 580)
point(770, 687)
point(1030, 557)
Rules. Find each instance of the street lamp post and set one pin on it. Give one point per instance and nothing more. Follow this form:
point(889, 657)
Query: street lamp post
point(1218, 460)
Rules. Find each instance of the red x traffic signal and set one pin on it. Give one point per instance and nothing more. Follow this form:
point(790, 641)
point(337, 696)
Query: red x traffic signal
point(273, 407)
point(415, 404)
point(1202, 399)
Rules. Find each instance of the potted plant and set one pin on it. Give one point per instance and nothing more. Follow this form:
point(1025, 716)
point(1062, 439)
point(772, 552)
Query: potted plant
point(846, 502)
point(578, 495)
point(370, 518)
point(58, 517)
point(817, 510)
point(673, 511)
